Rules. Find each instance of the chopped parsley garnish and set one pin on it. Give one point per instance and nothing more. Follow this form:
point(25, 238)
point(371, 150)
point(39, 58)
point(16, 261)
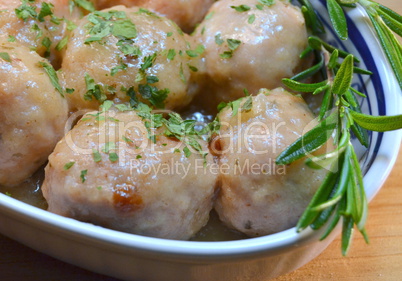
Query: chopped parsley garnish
point(46, 42)
point(85, 4)
point(209, 16)
point(11, 38)
point(113, 157)
point(233, 44)
point(25, 11)
point(46, 10)
point(5, 56)
point(192, 68)
point(153, 94)
point(93, 90)
point(195, 53)
point(103, 24)
point(218, 39)
point(148, 61)
point(187, 152)
point(68, 165)
point(70, 90)
point(251, 19)
point(184, 130)
point(235, 105)
point(83, 175)
point(267, 2)
point(63, 43)
point(127, 140)
point(52, 76)
point(128, 49)
point(121, 66)
point(181, 73)
point(169, 34)
point(171, 54)
point(152, 79)
point(241, 8)
point(96, 155)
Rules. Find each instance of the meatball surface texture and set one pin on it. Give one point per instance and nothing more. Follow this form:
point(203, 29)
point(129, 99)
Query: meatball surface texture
point(32, 113)
point(258, 197)
point(251, 49)
point(115, 170)
point(124, 55)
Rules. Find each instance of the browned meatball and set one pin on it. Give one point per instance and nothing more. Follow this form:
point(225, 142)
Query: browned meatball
point(41, 32)
point(257, 197)
point(118, 170)
point(250, 49)
point(32, 113)
point(143, 56)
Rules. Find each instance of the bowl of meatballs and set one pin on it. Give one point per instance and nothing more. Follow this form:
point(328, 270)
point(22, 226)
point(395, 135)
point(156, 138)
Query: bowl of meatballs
point(138, 138)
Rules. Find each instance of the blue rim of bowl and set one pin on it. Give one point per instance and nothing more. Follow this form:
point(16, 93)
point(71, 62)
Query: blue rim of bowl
point(135, 244)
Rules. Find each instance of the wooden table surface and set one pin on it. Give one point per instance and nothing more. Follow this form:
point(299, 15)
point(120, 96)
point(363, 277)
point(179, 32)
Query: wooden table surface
point(381, 260)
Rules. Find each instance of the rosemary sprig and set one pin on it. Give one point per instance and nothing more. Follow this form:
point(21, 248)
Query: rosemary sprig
point(341, 194)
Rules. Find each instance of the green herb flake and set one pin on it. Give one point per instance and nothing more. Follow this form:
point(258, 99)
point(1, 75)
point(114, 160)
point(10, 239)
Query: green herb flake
point(83, 175)
point(251, 19)
point(192, 53)
point(267, 2)
point(11, 38)
point(171, 54)
point(209, 16)
point(62, 44)
point(68, 165)
point(116, 69)
point(259, 7)
point(25, 11)
point(169, 34)
point(108, 147)
point(233, 44)
point(46, 10)
point(241, 8)
point(54, 79)
point(218, 39)
point(5, 56)
point(85, 4)
point(127, 140)
point(70, 90)
point(187, 152)
point(138, 156)
point(226, 54)
point(46, 42)
point(96, 156)
point(148, 61)
point(192, 68)
point(113, 157)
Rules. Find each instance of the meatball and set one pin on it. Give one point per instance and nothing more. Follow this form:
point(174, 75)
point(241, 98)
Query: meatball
point(258, 197)
point(124, 172)
point(33, 113)
point(186, 13)
point(128, 54)
point(24, 23)
point(249, 49)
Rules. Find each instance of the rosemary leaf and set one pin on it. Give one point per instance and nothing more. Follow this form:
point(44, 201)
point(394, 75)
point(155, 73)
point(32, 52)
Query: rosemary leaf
point(338, 19)
point(377, 123)
point(309, 142)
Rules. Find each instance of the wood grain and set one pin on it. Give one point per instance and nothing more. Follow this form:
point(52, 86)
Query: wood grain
point(381, 260)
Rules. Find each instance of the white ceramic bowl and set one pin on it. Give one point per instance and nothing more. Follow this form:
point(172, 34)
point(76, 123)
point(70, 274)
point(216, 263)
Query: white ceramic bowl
point(134, 257)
